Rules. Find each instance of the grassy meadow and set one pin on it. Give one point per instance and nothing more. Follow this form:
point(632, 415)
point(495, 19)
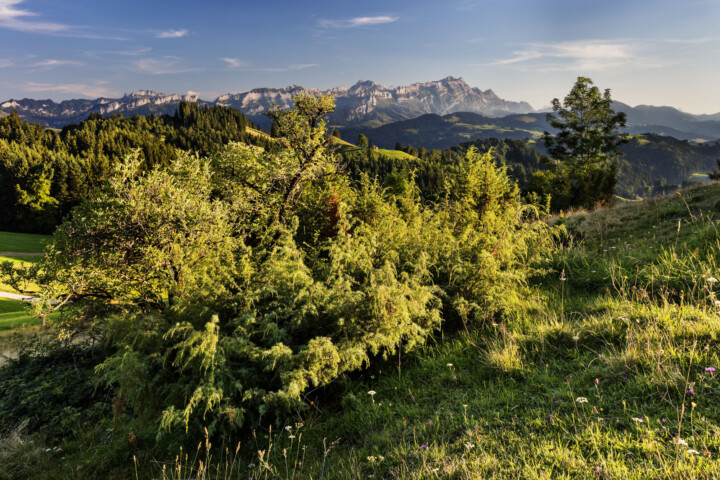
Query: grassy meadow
point(606, 370)
point(12, 312)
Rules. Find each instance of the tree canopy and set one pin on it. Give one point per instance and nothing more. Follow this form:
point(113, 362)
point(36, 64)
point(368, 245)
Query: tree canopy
point(585, 149)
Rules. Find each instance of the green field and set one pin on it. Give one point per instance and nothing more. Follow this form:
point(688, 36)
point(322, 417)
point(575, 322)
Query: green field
point(347, 147)
point(13, 315)
point(23, 242)
point(12, 312)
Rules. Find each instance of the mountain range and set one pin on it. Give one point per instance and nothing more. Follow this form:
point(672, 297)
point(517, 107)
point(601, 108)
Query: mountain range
point(366, 103)
point(370, 108)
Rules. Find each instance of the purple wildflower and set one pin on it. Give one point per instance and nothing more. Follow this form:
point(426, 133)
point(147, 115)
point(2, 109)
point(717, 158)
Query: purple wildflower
point(691, 392)
point(710, 369)
point(598, 470)
point(663, 420)
point(424, 446)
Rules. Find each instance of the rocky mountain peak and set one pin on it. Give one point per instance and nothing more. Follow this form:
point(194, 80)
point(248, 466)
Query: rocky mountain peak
point(366, 102)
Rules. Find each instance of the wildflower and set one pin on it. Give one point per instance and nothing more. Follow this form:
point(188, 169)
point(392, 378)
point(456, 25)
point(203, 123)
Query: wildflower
point(469, 445)
point(372, 393)
point(291, 437)
point(711, 280)
point(693, 451)
point(691, 392)
point(434, 470)
point(598, 470)
point(288, 428)
point(710, 369)
point(424, 446)
point(637, 420)
point(371, 459)
point(450, 365)
point(581, 400)
point(680, 441)
point(663, 420)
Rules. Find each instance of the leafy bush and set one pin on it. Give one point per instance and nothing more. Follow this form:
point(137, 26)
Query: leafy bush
point(228, 287)
point(50, 388)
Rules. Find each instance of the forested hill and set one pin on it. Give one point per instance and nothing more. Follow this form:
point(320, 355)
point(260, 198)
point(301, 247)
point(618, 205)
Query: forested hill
point(44, 173)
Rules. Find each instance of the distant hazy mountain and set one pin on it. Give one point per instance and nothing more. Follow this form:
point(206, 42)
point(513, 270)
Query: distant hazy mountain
point(365, 103)
point(435, 131)
point(671, 121)
point(57, 115)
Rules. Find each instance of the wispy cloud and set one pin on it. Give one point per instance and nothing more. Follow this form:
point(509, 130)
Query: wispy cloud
point(4, 63)
point(16, 18)
point(162, 66)
point(173, 34)
point(130, 52)
point(13, 17)
point(234, 62)
point(357, 22)
point(584, 55)
point(52, 62)
point(87, 90)
point(289, 68)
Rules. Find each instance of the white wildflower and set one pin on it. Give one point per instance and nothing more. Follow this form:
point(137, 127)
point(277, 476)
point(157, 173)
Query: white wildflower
point(711, 280)
point(680, 441)
point(693, 451)
point(637, 420)
point(372, 393)
point(581, 400)
point(450, 365)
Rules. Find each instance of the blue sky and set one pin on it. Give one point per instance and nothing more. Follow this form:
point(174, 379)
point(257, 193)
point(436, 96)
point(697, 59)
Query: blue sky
point(658, 52)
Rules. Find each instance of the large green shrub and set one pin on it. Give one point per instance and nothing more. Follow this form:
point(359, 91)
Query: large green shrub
point(226, 288)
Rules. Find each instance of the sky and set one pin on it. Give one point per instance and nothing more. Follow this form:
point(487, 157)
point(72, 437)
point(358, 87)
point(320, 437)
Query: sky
point(652, 52)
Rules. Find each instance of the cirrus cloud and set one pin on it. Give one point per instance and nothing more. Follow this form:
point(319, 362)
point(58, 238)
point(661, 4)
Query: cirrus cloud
point(14, 18)
point(87, 90)
point(357, 22)
point(173, 34)
point(586, 55)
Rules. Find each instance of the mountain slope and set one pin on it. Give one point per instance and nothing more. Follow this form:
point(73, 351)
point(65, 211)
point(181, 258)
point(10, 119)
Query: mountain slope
point(365, 103)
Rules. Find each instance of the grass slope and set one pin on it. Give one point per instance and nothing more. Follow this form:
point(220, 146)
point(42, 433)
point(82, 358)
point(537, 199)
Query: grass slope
point(13, 315)
point(600, 375)
point(22, 242)
point(347, 147)
point(604, 371)
point(12, 312)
